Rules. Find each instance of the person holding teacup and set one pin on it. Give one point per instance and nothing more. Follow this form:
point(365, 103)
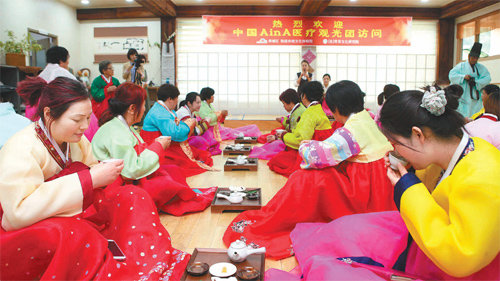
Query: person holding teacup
point(117, 138)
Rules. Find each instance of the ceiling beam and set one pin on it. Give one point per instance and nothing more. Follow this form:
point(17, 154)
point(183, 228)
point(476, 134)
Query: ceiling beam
point(415, 13)
point(462, 7)
point(113, 13)
point(313, 7)
point(198, 11)
point(161, 8)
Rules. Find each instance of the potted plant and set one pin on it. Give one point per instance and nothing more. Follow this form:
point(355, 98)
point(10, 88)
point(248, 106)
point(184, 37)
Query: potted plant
point(16, 50)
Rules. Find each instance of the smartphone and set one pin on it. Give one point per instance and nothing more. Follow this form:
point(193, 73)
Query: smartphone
point(115, 250)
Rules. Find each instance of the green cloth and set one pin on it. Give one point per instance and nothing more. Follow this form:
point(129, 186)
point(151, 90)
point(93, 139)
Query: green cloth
point(313, 118)
point(294, 118)
point(115, 140)
point(97, 88)
point(207, 111)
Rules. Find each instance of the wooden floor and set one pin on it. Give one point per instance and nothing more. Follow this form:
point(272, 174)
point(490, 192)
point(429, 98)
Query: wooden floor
point(205, 229)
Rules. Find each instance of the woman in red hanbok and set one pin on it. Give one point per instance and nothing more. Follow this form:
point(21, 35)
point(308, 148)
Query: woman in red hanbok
point(344, 174)
point(200, 138)
point(103, 88)
point(117, 139)
point(58, 213)
point(162, 120)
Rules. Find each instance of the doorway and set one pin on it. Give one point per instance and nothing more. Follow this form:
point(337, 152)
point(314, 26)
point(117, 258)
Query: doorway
point(46, 40)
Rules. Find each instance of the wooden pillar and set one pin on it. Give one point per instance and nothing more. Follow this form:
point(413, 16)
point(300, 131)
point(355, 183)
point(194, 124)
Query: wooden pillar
point(445, 48)
point(168, 26)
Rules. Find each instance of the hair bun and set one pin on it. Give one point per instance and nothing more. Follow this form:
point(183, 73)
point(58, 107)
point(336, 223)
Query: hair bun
point(453, 93)
point(434, 101)
point(117, 107)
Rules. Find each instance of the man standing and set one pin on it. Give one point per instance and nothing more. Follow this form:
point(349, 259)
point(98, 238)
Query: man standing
point(472, 76)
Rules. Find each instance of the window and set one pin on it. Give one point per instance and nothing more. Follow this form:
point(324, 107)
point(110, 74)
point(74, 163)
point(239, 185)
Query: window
point(372, 67)
point(249, 79)
point(485, 30)
point(246, 79)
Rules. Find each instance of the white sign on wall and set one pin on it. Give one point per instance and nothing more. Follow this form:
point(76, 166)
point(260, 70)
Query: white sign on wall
point(120, 45)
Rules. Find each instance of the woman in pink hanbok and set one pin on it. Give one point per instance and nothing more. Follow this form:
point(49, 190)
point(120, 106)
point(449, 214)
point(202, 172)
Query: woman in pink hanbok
point(217, 118)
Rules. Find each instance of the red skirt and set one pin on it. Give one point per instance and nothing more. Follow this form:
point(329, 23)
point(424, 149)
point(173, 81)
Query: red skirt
point(313, 196)
point(76, 248)
point(171, 193)
point(288, 161)
point(192, 160)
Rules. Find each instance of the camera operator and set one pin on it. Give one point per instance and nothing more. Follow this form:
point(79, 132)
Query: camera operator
point(137, 72)
point(127, 67)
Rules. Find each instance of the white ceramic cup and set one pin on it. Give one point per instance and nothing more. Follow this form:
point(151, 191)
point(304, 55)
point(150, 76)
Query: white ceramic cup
point(395, 158)
point(162, 137)
point(110, 160)
point(280, 131)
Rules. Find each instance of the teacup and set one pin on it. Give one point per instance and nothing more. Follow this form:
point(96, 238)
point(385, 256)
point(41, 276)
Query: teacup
point(110, 160)
point(280, 131)
point(164, 137)
point(395, 158)
point(240, 160)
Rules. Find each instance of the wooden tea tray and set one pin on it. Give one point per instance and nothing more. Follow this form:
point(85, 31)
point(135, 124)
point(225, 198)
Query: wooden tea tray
point(252, 165)
point(213, 256)
point(245, 151)
point(242, 140)
point(221, 204)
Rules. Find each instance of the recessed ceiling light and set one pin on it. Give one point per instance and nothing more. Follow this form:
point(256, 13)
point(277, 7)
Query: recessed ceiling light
point(353, 0)
point(129, 1)
point(85, 2)
point(424, 1)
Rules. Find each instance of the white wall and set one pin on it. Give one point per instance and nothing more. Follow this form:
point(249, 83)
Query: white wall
point(50, 16)
point(493, 65)
point(153, 67)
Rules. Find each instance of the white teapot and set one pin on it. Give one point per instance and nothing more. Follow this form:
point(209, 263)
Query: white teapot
point(239, 251)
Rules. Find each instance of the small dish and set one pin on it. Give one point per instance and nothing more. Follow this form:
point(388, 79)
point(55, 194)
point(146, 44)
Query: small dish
point(248, 273)
point(222, 269)
point(197, 268)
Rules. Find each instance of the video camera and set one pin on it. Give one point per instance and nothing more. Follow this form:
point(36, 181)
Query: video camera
point(140, 59)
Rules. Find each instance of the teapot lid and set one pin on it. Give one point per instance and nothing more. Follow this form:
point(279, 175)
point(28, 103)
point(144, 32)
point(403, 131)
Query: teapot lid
point(238, 244)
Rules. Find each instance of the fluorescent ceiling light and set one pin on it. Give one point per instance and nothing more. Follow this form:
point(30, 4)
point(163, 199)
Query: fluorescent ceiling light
point(353, 0)
point(85, 2)
point(129, 1)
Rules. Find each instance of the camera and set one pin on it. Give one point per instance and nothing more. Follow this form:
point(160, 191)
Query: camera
point(140, 59)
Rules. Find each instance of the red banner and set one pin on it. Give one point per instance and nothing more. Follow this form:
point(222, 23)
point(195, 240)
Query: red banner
point(294, 30)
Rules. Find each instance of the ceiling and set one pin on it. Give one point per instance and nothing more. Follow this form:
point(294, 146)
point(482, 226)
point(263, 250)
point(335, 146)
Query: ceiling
point(369, 3)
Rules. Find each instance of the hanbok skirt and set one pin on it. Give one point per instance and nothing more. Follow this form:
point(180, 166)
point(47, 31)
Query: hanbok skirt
point(288, 161)
point(313, 196)
point(211, 138)
point(363, 247)
point(268, 150)
point(76, 248)
point(192, 160)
